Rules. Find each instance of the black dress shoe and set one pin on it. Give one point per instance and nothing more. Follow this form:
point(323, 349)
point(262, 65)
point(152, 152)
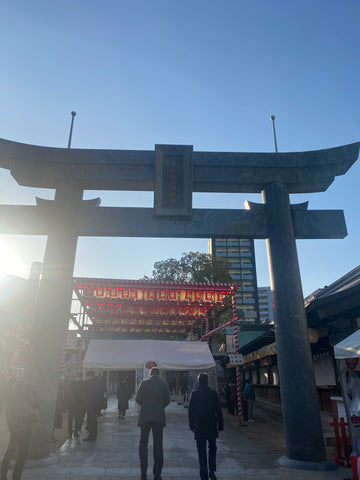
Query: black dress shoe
point(212, 476)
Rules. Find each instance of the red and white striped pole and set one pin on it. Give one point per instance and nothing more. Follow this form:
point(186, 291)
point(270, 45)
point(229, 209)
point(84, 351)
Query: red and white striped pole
point(63, 356)
point(207, 327)
point(238, 380)
point(79, 356)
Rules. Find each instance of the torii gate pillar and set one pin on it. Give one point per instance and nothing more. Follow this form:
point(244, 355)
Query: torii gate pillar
point(52, 310)
point(302, 422)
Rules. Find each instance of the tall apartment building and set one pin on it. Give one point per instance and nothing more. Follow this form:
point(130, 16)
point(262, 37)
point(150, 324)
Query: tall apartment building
point(265, 305)
point(240, 254)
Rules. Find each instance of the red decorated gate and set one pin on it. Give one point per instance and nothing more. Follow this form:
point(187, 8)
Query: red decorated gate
point(148, 307)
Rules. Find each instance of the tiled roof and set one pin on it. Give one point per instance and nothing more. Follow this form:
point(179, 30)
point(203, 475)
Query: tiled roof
point(349, 280)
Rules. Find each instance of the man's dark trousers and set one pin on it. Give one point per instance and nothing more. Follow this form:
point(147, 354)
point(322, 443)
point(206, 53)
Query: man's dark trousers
point(157, 431)
point(92, 422)
point(19, 440)
point(203, 461)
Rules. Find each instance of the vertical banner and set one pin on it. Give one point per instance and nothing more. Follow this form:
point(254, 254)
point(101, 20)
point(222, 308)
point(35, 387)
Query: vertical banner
point(230, 343)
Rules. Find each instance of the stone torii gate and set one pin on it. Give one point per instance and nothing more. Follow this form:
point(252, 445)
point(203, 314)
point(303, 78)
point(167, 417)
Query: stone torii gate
point(173, 173)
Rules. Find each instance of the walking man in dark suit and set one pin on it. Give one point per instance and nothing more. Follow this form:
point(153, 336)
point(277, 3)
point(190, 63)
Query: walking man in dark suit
point(205, 420)
point(153, 396)
point(91, 399)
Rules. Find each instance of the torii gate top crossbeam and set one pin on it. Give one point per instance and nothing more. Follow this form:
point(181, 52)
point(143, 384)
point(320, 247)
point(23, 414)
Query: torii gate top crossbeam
point(303, 172)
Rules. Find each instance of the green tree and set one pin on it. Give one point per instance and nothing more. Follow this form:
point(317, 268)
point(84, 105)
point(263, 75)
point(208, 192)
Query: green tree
point(192, 267)
point(169, 270)
point(198, 267)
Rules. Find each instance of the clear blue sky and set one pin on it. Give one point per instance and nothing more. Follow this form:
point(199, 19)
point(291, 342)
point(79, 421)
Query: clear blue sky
point(206, 73)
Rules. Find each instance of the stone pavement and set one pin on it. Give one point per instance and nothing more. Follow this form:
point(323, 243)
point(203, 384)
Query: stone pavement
point(115, 454)
point(268, 430)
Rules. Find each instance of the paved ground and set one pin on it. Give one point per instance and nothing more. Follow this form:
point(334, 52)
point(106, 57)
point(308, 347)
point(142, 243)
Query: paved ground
point(268, 430)
point(115, 454)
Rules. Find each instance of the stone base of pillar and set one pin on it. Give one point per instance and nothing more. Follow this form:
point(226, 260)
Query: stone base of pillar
point(285, 461)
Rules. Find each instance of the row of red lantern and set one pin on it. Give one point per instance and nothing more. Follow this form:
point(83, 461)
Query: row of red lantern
point(146, 330)
point(166, 310)
point(152, 295)
point(147, 322)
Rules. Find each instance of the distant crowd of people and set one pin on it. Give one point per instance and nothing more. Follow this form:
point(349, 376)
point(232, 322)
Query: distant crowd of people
point(86, 398)
point(247, 399)
point(78, 397)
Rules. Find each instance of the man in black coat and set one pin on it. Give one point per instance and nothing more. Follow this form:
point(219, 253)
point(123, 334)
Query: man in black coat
point(78, 392)
point(123, 396)
point(205, 420)
point(74, 402)
point(153, 396)
point(91, 400)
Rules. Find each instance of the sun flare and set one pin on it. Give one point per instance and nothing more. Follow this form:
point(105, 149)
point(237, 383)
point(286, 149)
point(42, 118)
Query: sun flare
point(10, 262)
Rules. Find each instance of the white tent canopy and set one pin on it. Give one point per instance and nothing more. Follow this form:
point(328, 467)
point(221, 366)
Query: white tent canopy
point(349, 347)
point(133, 354)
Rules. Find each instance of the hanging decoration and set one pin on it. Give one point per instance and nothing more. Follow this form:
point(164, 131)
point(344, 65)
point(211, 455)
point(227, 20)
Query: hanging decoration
point(148, 307)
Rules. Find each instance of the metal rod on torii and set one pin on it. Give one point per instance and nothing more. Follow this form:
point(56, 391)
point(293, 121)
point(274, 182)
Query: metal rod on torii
point(73, 114)
point(272, 118)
